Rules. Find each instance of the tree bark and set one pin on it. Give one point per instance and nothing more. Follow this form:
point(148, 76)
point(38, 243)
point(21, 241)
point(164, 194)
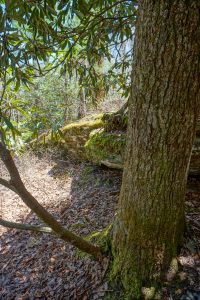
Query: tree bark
point(163, 109)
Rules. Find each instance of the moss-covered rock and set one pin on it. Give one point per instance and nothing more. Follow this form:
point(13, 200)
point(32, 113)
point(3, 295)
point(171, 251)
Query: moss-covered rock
point(75, 135)
point(106, 148)
point(101, 139)
point(72, 137)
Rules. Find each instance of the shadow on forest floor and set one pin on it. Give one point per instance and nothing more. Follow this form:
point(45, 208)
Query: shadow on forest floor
point(39, 266)
point(83, 197)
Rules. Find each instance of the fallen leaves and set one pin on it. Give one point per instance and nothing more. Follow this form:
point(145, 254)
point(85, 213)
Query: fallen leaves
point(39, 266)
point(83, 197)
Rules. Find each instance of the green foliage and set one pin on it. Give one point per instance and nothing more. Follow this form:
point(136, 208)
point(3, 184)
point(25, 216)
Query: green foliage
point(47, 105)
point(37, 36)
point(11, 111)
point(87, 40)
point(51, 102)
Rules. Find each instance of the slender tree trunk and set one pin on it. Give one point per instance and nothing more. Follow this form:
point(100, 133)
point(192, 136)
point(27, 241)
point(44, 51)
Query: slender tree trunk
point(163, 108)
point(82, 104)
point(66, 113)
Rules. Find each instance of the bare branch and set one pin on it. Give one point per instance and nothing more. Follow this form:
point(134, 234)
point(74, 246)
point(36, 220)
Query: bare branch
point(20, 226)
point(40, 211)
point(7, 185)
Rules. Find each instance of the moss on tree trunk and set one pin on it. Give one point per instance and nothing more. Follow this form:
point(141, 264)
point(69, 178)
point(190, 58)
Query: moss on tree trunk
point(163, 109)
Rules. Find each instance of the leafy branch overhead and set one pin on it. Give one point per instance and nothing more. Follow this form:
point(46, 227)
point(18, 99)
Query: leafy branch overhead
point(38, 36)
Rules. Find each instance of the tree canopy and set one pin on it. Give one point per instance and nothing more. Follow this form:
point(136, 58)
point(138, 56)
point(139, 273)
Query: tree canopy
point(38, 36)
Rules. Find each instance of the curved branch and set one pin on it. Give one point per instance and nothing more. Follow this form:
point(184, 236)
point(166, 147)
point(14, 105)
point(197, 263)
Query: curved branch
point(8, 185)
point(20, 226)
point(40, 211)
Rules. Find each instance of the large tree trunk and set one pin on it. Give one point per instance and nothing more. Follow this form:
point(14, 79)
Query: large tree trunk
point(163, 109)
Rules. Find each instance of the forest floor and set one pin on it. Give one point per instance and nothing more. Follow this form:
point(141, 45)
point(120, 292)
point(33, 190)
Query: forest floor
point(82, 197)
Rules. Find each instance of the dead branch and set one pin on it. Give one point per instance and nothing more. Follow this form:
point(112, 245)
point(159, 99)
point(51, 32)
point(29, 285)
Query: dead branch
point(18, 186)
point(7, 185)
point(20, 226)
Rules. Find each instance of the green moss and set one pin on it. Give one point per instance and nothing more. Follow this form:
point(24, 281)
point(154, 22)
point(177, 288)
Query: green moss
point(93, 123)
point(139, 281)
point(136, 269)
point(89, 139)
point(103, 145)
point(126, 277)
point(82, 127)
point(102, 238)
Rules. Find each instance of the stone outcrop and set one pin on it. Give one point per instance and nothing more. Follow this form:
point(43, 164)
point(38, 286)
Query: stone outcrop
point(107, 145)
point(106, 148)
point(74, 136)
point(101, 139)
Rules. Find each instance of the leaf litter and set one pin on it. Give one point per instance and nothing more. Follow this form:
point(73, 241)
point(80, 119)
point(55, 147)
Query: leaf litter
point(83, 198)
